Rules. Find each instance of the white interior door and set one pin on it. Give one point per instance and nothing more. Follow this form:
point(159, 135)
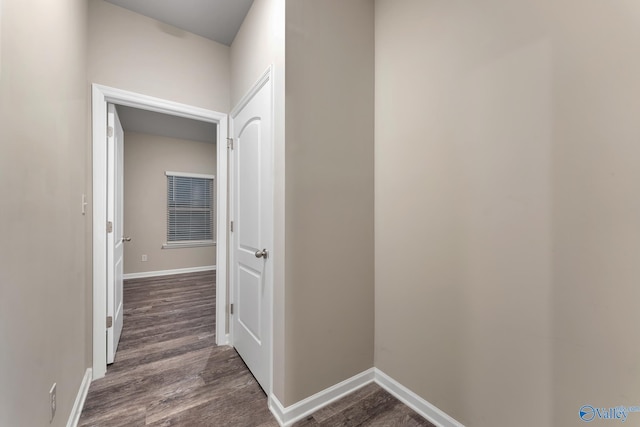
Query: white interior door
point(251, 210)
point(115, 238)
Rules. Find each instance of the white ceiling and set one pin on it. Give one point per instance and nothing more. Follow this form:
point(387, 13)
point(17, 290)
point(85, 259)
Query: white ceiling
point(217, 20)
point(143, 121)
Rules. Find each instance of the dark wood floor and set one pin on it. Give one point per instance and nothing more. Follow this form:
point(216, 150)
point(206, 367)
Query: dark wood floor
point(369, 406)
point(169, 372)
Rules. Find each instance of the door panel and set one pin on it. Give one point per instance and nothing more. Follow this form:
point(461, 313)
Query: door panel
point(115, 242)
point(251, 209)
point(249, 186)
point(249, 310)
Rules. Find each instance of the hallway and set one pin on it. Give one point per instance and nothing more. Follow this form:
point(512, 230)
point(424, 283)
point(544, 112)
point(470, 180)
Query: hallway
point(169, 372)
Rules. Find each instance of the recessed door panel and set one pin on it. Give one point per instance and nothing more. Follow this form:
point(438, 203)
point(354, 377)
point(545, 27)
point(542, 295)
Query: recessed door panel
point(248, 161)
point(249, 310)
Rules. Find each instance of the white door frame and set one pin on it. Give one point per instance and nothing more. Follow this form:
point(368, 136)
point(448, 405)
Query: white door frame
point(101, 95)
point(267, 77)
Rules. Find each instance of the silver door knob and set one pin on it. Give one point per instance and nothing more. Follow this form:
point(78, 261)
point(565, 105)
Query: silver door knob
point(126, 239)
point(262, 254)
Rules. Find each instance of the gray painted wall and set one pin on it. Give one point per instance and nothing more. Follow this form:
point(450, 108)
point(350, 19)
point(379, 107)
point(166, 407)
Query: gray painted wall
point(507, 219)
point(329, 193)
point(132, 52)
point(146, 159)
point(43, 143)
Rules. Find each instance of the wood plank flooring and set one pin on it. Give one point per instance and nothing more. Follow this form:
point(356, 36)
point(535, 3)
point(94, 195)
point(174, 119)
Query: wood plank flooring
point(169, 372)
point(368, 406)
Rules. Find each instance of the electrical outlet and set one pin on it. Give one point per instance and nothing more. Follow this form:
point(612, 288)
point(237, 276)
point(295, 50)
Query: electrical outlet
point(52, 401)
point(144, 258)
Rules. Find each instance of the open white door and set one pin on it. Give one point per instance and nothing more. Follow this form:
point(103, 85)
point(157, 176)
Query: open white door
point(251, 210)
point(115, 238)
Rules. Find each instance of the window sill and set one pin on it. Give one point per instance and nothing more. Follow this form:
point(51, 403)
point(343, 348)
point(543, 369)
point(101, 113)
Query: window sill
point(191, 244)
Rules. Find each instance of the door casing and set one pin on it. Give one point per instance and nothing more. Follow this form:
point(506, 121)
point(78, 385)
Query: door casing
point(101, 95)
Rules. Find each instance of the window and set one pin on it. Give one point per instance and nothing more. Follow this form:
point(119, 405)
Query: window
point(190, 210)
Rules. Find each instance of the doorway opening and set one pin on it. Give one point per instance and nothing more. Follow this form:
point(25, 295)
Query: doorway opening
point(101, 97)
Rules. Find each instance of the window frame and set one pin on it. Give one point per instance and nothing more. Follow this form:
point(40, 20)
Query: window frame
point(191, 243)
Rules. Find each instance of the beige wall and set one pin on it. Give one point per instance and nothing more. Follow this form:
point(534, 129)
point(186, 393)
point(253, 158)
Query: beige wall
point(132, 52)
point(595, 206)
point(506, 220)
point(258, 45)
point(43, 141)
point(147, 158)
point(329, 193)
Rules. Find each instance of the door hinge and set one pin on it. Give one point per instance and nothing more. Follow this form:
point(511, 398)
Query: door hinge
point(109, 227)
point(231, 225)
point(230, 308)
point(230, 143)
point(110, 131)
point(109, 322)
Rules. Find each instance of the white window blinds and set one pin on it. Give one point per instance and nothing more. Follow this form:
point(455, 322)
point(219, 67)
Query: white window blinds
point(190, 209)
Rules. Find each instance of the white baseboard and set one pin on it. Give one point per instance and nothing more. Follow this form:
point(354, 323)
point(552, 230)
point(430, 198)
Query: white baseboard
point(277, 410)
point(223, 339)
point(76, 411)
point(297, 411)
point(158, 273)
point(415, 402)
point(289, 415)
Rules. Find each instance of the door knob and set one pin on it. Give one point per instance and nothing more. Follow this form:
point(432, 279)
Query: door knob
point(262, 254)
point(126, 239)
